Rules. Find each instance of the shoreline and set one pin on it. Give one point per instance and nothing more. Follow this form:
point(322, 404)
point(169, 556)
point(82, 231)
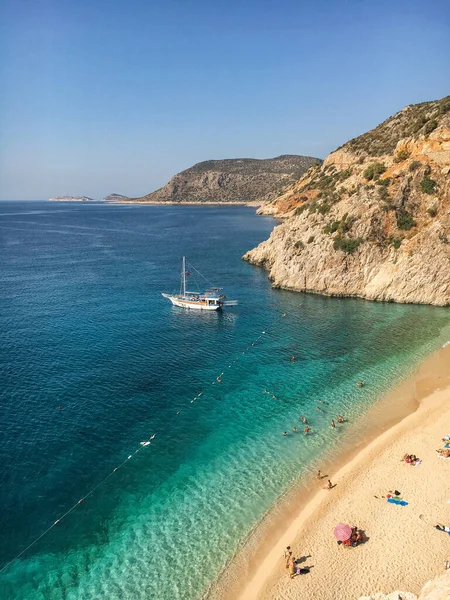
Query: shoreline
point(257, 568)
point(136, 202)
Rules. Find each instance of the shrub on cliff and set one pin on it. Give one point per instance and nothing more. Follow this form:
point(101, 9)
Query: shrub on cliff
point(405, 220)
point(374, 171)
point(430, 126)
point(414, 165)
point(428, 185)
point(401, 155)
point(347, 245)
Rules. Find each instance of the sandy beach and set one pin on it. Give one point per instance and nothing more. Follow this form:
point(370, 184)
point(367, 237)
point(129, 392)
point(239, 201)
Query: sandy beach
point(403, 550)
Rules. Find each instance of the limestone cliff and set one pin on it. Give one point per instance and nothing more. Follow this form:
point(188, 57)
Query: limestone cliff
point(238, 180)
point(436, 589)
point(373, 220)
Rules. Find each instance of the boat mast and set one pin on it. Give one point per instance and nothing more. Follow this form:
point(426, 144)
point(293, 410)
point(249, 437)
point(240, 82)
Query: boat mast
point(183, 276)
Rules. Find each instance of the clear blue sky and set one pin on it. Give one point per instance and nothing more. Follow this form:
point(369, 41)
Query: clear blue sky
point(101, 96)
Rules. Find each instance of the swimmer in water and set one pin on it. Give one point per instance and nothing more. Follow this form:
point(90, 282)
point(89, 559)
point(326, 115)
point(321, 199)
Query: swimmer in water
point(292, 359)
point(319, 409)
point(305, 420)
point(218, 380)
point(284, 432)
point(283, 315)
point(294, 429)
point(333, 424)
point(274, 397)
point(340, 419)
point(307, 430)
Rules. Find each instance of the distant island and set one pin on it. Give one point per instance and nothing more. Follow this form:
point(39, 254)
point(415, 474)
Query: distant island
point(232, 181)
point(115, 198)
point(71, 199)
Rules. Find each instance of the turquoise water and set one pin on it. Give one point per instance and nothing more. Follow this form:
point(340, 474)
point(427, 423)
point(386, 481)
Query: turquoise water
point(84, 325)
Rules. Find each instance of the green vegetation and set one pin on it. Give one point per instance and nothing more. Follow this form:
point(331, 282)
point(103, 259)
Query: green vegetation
point(346, 244)
point(415, 165)
point(432, 211)
point(395, 241)
point(411, 121)
point(343, 175)
point(428, 185)
point(405, 220)
point(430, 126)
point(342, 226)
point(401, 155)
point(332, 227)
point(445, 107)
point(374, 171)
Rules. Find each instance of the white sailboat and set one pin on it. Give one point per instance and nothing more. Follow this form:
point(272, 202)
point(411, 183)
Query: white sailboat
point(211, 299)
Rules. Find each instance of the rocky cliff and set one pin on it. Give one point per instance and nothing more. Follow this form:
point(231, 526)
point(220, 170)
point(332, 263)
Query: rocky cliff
point(238, 180)
point(373, 220)
point(114, 198)
point(436, 589)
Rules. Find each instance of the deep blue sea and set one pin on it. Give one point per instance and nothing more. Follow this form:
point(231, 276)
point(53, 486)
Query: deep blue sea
point(83, 325)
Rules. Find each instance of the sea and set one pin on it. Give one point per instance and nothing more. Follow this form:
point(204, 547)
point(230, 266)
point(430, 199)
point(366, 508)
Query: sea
point(94, 361)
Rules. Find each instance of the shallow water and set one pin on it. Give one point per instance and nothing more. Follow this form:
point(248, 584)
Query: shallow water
point(83, 324)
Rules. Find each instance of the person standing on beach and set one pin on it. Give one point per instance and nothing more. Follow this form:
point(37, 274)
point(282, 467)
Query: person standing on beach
point(319, 474)
point(292, 565)
point(329, 486)
point(287, 556)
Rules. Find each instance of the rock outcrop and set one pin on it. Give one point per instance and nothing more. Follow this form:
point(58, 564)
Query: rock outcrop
point(373, 221)
point(237, 180)
point(71, 199)
point(436, 589)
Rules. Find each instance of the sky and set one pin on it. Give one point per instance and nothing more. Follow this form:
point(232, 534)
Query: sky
point(102, 96)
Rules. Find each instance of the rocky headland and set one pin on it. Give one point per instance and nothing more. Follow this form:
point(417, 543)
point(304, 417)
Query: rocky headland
point(234, 181)
point(373, 220)
point(115, 198)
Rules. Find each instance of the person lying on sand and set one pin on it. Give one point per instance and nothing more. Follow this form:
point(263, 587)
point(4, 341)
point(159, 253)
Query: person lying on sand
point(444, 452)
point(410, 459)
point(444, 528)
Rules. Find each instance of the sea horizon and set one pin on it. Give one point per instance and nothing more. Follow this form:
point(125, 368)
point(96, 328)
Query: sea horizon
point(95, 360)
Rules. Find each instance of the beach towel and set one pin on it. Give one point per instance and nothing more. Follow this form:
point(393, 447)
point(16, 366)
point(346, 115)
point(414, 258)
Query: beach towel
point(447, 446)
point(444, 457)
point(399, 502)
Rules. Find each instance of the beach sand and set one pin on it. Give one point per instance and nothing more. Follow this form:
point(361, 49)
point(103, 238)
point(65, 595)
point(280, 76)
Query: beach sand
point(403, 551)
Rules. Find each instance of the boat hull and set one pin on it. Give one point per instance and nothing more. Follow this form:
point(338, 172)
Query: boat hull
point(192, 305)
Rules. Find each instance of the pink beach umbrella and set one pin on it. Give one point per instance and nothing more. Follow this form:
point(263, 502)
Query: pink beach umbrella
point(342, 532)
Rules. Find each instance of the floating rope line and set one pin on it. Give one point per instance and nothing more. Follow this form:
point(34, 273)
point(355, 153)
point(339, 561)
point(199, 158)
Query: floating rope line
point(143, 444)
